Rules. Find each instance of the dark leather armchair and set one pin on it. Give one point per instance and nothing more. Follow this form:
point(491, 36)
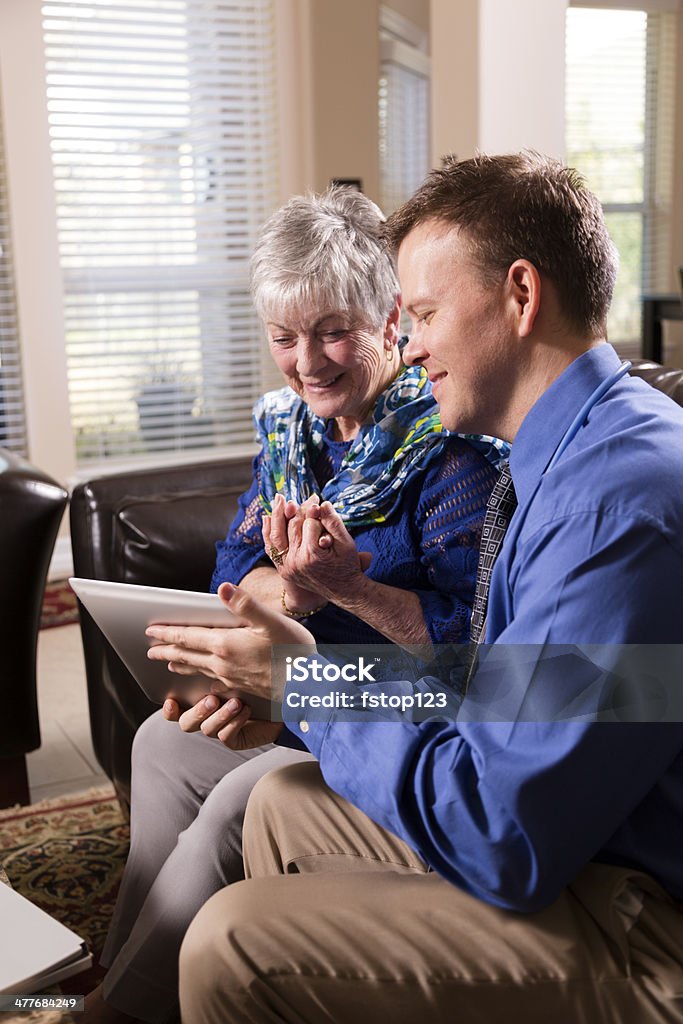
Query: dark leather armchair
point(666, 378)
point(159, 528)
point(31, 508)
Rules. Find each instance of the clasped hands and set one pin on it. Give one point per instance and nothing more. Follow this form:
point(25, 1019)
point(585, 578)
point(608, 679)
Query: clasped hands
point(313, 553)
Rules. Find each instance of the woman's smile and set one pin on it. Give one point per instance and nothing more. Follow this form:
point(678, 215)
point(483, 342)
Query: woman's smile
point(321, 385)
point(336, 361)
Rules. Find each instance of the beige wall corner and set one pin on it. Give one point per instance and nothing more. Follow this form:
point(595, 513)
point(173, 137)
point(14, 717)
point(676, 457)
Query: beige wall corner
point(454, 46)
point(328, 75)
point(345, 73)
point(415, 11)
point(294, 71)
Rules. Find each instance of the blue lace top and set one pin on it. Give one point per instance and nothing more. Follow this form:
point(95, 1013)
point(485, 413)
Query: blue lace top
point(430, 543)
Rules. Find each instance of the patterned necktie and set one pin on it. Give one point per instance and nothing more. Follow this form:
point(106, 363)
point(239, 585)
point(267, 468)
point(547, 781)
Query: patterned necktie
point(501, 504)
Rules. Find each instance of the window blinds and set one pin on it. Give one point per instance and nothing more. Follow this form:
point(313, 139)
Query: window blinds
point(403, 109)
point(620, 124)
point(12, 426)
point(404, 138)
point(162, 126)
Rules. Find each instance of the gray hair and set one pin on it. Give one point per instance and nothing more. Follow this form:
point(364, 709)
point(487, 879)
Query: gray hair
point(326, 252)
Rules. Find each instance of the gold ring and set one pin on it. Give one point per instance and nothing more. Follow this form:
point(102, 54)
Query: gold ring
point(277, 557)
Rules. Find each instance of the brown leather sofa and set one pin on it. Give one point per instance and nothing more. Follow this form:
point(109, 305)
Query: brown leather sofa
point(31, 508)
point(159, 528)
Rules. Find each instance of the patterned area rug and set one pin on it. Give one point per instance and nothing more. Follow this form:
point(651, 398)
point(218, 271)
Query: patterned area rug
point(67, 856)
point(60, 607)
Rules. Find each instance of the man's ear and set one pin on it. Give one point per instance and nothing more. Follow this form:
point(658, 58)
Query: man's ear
point(524, 287)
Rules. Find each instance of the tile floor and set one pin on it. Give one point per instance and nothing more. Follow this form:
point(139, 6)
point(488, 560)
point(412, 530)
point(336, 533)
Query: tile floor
point(66, 762)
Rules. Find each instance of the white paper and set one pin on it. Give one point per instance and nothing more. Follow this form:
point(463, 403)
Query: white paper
point(34, 947)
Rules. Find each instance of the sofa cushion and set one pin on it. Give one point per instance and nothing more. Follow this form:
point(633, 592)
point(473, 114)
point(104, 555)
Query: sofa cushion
point(168, 540)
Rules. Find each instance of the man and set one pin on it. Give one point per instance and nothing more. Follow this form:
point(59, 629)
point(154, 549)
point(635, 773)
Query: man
point(472, 870)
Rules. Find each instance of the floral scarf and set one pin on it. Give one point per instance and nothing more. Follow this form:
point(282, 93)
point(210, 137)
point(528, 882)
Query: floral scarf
point(403, 437)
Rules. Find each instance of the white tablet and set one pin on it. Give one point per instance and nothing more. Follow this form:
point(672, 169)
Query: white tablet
point(124, 610)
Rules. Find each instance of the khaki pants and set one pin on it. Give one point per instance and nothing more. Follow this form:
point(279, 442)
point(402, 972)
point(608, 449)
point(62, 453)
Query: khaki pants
point(339, 921)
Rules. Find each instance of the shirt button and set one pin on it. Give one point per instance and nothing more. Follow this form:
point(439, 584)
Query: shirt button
point(304, 726)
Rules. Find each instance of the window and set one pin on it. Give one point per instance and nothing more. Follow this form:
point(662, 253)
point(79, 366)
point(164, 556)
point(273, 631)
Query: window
point(403, 109)
point(12, 426)
point(162, 128)
point(619, 123)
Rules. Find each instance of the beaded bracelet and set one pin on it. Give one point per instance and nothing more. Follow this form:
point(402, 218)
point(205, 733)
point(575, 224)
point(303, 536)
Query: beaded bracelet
point(300, 615)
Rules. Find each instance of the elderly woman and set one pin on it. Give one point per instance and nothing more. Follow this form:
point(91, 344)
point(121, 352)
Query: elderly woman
point(404, 505)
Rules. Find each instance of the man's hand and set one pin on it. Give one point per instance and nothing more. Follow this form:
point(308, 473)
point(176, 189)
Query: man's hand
point(230, 722)
point(240, 656)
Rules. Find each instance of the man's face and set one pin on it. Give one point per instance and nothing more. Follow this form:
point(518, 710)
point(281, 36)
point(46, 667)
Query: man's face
point(462, 331)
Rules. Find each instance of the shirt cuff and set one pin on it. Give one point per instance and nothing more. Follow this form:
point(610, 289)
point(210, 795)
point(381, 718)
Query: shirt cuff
point(288, 739)
point(310, 702)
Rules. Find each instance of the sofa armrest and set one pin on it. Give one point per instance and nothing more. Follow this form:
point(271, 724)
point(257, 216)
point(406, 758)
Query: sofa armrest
point(32, 505)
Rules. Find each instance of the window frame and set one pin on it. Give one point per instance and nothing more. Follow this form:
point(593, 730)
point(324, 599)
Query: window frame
point(648, 209)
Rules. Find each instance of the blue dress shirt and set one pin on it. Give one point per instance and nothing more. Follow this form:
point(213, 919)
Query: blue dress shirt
point(512, 810)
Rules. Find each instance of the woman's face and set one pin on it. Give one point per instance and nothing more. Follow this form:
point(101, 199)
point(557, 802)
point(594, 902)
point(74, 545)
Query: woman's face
point(335, 362)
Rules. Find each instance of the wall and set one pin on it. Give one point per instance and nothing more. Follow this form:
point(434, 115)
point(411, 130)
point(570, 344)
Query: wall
point(497, 76)
point(416, 11)
point(345, 71)
point(521, 76)
point(328, 66)
point(455, 78)
point(328, 56)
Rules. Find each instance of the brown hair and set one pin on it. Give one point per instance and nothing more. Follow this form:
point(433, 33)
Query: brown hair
point(523, 206)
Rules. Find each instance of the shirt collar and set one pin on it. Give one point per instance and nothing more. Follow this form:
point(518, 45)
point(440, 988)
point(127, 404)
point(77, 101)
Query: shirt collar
point(550, 417)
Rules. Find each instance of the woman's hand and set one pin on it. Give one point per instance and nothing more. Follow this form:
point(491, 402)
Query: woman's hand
point(275, 530)
point(322, 554)
point(322, 559)
point(326, 557)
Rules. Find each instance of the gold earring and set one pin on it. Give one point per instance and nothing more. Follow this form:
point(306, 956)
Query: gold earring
point(389, 353)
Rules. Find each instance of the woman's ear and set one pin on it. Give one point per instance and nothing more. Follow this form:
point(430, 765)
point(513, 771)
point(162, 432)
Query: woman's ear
point(391, 326)
point(524, 287)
